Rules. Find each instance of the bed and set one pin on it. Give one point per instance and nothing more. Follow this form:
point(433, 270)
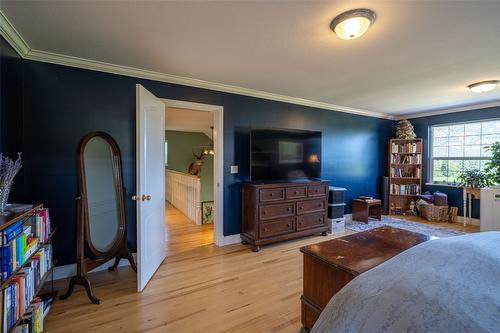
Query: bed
point(443, 285)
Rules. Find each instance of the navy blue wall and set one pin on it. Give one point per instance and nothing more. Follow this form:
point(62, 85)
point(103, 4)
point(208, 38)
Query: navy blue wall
point(11, 103)
point(422, 130)
point(61, 104)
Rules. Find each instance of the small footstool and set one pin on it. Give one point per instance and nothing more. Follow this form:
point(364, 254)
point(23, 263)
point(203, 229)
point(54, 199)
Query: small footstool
point(362, 209)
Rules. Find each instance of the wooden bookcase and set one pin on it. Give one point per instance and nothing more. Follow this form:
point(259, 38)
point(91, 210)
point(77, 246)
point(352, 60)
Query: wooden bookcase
point(5, 280)
point(405, 173)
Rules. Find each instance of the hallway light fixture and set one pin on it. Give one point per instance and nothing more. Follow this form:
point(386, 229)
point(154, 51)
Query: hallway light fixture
point(209, 149)
point(483, 86)
point(353, 23)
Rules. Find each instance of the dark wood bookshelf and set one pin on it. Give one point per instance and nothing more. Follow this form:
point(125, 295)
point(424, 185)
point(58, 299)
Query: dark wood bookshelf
point(404, 170)
point(7, 221)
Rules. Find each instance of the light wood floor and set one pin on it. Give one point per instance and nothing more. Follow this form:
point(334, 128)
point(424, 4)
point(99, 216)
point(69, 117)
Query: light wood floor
point(183, 234)
point(199, 288)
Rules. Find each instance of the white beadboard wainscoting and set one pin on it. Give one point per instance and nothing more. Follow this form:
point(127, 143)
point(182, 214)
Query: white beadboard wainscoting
point(184, 193)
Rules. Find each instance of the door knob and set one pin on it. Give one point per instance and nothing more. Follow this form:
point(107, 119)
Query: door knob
point(135, 197)
point(146, 197)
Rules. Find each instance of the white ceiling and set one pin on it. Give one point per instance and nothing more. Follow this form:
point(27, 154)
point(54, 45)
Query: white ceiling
point(418, 56)
point(189, 121)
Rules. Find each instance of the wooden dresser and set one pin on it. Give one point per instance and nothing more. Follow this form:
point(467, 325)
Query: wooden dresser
point(274, 212)
point(330, 265)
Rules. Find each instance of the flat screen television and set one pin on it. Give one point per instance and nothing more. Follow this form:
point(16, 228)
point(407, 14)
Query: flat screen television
point(284, 154)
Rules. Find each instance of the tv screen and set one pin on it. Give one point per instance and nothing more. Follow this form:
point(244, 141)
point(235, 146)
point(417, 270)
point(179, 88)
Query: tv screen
point(284, 154)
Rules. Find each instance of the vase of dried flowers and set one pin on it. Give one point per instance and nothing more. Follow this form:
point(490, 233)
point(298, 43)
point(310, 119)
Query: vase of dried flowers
point(8, 170)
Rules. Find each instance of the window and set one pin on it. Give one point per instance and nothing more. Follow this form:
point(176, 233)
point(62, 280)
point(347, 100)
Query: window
point(461, 146)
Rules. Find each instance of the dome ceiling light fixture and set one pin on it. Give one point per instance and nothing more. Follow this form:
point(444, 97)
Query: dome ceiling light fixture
point(483, 86)
point(353, 23)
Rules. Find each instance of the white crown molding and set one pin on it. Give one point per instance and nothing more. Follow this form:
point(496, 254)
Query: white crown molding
point(8, 31)
point(445, 111)
point(71, 61)
point(12, 36)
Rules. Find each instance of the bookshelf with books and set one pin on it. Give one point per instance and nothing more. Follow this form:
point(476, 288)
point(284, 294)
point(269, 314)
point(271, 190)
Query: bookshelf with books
point(26, 261)
point(405, 173)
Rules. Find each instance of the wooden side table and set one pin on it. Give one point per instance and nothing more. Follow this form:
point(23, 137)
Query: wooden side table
point(362, 209)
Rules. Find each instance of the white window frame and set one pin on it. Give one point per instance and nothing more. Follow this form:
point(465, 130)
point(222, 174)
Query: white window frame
point(431, 149)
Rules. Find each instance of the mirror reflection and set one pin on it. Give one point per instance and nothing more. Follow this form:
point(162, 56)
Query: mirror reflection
point(103, 219)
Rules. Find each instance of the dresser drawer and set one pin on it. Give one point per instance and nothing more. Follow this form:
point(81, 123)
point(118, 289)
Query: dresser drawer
point(296, 192)
point(275, 228)
point(310, 221)
point(270, 212)
point(272, 194)
point(316, 190)
point(310, 206)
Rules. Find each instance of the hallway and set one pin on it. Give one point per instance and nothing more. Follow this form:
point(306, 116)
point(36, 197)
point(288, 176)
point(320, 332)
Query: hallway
point(183, 234)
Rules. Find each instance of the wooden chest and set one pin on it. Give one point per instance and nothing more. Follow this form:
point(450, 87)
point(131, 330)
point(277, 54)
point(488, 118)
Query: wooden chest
point(280, 211)
point(330, 265)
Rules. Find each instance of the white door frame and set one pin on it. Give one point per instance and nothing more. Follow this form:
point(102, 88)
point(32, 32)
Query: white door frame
point(218, 160)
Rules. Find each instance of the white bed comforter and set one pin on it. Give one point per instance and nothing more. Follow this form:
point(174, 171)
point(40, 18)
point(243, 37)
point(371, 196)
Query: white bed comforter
point(443, 285)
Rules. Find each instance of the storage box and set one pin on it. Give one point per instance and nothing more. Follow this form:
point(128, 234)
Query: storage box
point(336, 195)
point(337, 226)
point(434, 213)
point(336, 211)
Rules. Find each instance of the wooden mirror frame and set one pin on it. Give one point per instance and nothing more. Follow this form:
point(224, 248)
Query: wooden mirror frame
point(118, 249)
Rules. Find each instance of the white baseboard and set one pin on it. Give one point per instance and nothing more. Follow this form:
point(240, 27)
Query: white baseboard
point(67, 271)
point(231, 239)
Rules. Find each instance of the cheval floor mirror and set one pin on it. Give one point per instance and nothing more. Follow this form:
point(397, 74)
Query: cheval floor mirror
point(101, 223)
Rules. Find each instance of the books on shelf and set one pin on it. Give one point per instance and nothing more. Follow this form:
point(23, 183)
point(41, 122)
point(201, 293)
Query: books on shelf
point(403, 189)
point(406, 159)
point(19, 300)
point(404, 148)
point(21, 239)
point(405, 172)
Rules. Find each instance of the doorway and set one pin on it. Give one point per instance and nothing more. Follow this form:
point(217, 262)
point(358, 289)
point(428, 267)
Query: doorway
point(193, 174)
point(189, 175)
point(150, 195)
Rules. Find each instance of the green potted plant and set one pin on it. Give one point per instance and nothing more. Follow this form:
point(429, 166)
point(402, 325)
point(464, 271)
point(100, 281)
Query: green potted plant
point(493, 166)
point(474, 179)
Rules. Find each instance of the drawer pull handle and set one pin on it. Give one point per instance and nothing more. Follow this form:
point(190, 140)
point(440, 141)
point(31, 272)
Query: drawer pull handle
point(300, 207)
point(289, 209)
point(264, 212)
point(295, 192)
point(288, 225)
point(320, 219)
point(265, 229)
point(272, 194)
point(300, 223)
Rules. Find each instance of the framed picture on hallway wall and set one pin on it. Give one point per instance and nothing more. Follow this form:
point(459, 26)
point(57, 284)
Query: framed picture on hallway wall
point(207, 212)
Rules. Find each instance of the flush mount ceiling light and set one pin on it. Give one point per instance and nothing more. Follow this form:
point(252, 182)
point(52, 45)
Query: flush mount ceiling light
point(483, 86)
point(353, 23)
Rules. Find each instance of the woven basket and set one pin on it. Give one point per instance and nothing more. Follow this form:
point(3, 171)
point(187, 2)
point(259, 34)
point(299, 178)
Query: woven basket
point(434, 213)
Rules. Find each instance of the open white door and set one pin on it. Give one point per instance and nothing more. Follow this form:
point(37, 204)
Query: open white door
point(150, 197)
